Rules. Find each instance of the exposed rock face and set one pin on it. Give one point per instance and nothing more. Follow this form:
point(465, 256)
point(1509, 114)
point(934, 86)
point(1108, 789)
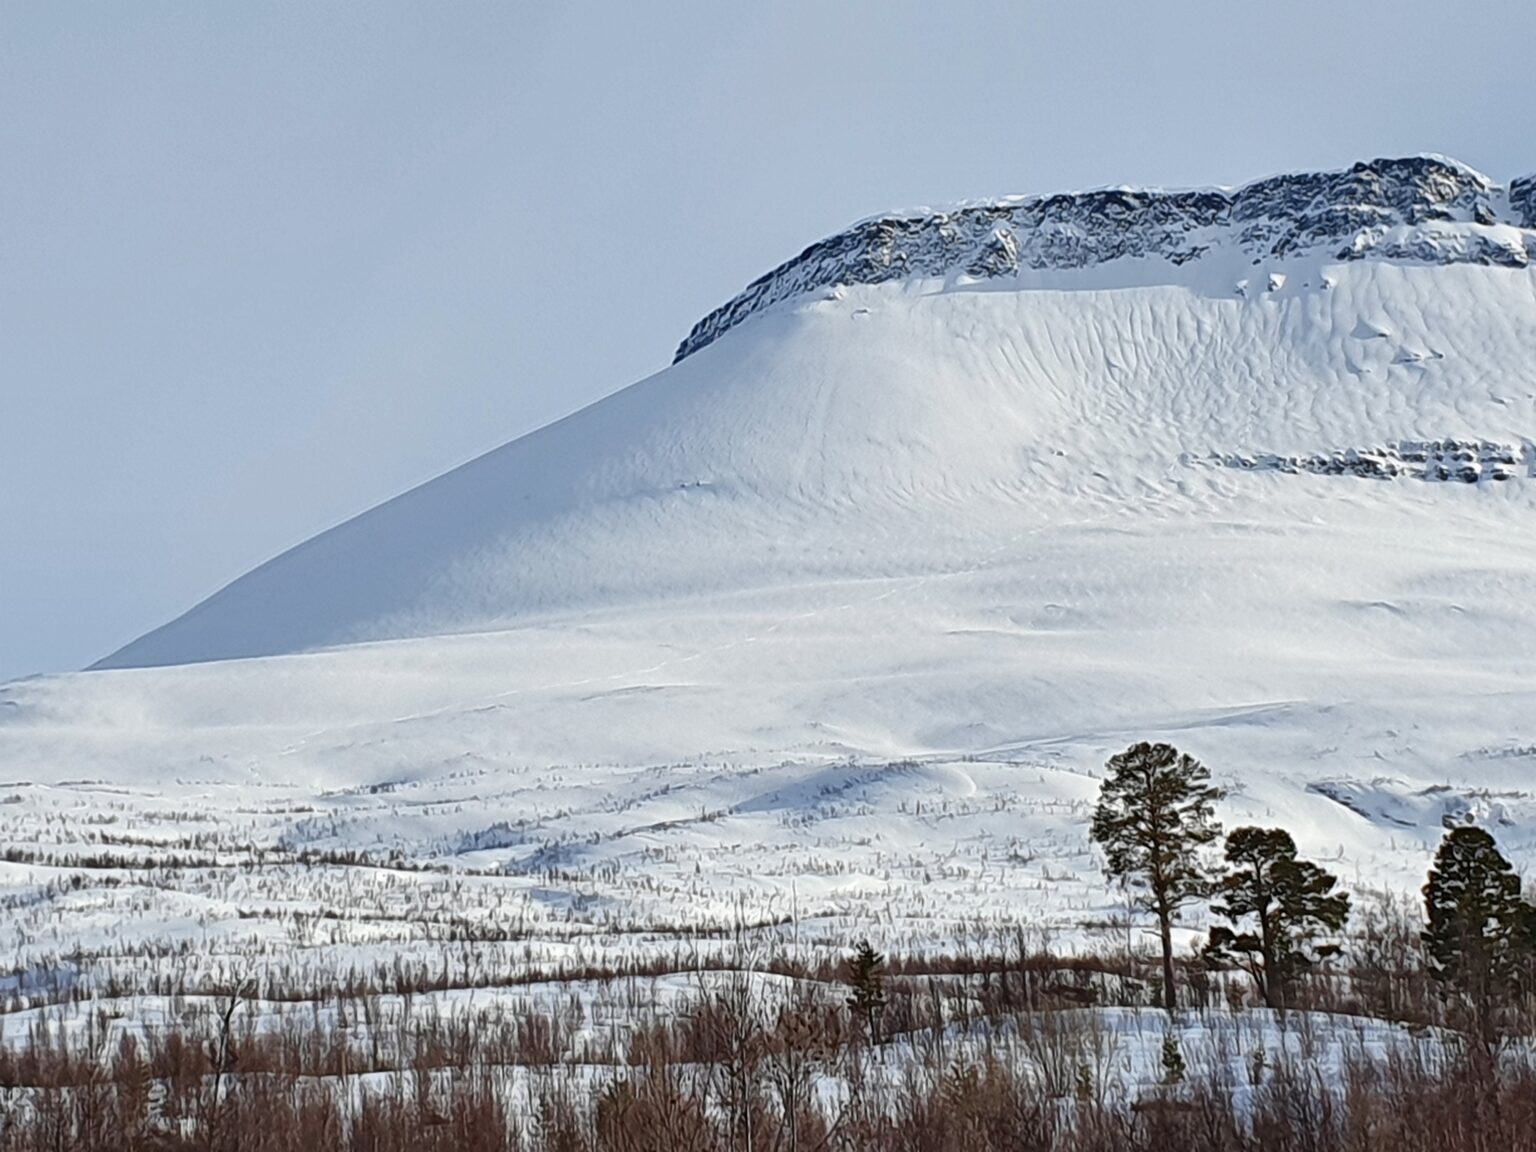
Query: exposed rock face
point(1424, 209)
point(1522, 199)
point(1466, 461)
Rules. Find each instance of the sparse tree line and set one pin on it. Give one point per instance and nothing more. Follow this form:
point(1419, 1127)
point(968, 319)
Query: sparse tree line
point(1282, 915)
point(733, 1071)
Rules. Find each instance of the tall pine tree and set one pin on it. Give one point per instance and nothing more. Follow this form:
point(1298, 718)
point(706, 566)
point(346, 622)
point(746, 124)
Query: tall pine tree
point(1155, 812)
point(1476, 921)
point(1281, 906)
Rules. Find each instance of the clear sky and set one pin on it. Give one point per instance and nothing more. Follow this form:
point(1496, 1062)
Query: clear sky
point(265, 265)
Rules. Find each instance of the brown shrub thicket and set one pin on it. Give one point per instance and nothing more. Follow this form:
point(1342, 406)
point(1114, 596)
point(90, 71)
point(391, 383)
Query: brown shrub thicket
point(982, 1052)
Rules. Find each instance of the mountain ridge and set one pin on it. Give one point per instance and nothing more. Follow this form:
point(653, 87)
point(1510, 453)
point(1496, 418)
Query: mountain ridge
point(1351, 213)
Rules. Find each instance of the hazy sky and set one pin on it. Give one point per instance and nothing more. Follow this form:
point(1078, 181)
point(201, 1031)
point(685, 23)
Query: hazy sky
point(264, 265)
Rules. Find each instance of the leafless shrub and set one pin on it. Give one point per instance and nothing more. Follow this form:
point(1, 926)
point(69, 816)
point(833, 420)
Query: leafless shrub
point(752, 1060)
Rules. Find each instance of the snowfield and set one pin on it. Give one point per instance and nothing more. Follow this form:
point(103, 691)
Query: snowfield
point(827, 630)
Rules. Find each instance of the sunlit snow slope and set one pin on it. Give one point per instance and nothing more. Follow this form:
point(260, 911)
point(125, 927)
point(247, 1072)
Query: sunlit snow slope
point(934, 383)
point(1008, 515)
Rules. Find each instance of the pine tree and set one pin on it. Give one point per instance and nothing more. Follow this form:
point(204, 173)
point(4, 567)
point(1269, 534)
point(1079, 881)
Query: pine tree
point(1290, 902)
point(867, 1000)
point(1476, 921)
point(1154, 814)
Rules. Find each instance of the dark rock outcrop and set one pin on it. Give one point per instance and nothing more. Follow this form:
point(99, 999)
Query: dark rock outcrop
point(1466, 461)
point(1522, 199)
point(1372, 210)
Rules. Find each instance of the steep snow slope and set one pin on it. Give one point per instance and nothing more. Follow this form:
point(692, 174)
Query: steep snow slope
point(849, 605)
point(850, 420)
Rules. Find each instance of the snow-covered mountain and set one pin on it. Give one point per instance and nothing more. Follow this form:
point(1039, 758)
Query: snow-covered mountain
point(926, 363)
point(914, 532)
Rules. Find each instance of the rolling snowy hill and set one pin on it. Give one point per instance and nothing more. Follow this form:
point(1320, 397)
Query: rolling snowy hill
point(838, 616)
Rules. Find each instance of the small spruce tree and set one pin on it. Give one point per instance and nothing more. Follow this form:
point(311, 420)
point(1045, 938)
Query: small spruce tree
point(1173, 1060)
point(865, 978)
point(1153, 816)
point(1281, 907)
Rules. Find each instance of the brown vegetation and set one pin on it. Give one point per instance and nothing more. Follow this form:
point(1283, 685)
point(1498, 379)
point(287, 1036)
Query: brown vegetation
point(982, 1051)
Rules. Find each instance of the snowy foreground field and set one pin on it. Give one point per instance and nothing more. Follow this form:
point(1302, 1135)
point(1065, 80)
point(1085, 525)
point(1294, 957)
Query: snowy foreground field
point(826, 632)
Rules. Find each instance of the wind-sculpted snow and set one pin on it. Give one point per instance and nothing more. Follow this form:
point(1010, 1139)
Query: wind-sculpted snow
point(1381, 209)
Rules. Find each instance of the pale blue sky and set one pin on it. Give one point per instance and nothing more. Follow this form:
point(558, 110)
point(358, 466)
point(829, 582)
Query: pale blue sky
point(265, 265)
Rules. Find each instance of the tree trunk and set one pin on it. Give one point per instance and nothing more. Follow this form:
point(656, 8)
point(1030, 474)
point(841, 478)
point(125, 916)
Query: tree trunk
point(1269, 983)
point(1165, 928)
